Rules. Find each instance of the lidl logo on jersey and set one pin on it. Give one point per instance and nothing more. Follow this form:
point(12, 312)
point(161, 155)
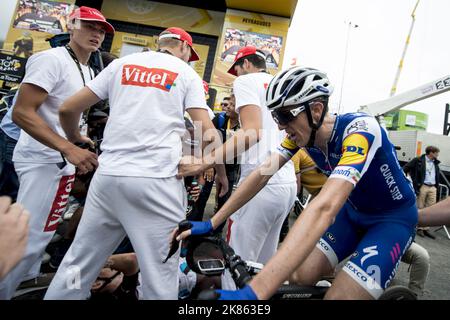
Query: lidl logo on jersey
point(354, 149)
point(134, 75)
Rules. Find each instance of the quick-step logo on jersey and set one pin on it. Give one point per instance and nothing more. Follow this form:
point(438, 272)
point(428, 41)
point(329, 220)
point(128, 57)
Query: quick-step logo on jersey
point(390, 182)
point(60, 202)
point(134, 75)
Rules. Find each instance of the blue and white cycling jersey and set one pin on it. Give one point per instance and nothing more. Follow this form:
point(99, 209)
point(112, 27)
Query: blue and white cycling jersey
point(376, 225)
point(360, 152)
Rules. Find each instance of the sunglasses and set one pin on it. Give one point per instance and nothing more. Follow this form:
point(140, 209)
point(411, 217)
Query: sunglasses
point(224, 104)
point(283, 117)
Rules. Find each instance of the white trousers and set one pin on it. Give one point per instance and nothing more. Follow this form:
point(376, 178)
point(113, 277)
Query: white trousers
point(44, 192)
point(145, 209)
point(254, 230)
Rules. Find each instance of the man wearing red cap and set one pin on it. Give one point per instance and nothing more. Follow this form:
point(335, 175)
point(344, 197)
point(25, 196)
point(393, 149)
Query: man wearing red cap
point(135, 190)
point(253, 230)
point(45, 177)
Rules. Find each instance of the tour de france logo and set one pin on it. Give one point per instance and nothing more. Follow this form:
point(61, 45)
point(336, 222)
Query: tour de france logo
point(9, 64)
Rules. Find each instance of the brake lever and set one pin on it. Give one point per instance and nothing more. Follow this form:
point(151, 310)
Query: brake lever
point(182, 226)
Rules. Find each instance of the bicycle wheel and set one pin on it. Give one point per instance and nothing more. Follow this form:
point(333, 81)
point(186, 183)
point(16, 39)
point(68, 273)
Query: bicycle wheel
point(398, 292)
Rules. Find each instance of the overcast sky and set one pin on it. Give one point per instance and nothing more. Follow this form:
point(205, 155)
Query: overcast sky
point(317, 38)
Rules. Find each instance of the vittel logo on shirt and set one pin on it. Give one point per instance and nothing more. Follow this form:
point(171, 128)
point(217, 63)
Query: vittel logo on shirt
point(134, 75)
point(59, 203)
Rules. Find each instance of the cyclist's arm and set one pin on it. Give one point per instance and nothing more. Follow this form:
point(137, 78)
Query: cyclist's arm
point(246, 191)
point(249, 187)
point(436, 215)
point(303, 236)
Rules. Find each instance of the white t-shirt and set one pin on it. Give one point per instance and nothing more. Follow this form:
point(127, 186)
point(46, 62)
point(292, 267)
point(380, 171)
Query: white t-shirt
point(148, 94)
point(54, 71)
point(251, 89)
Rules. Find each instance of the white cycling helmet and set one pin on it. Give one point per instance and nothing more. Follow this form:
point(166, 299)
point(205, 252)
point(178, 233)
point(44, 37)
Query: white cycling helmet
point(292, 90)
point(297, 86)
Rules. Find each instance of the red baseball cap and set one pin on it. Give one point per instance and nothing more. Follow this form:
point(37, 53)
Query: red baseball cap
point(180, 34)
point(91, 14)
point(243, 52)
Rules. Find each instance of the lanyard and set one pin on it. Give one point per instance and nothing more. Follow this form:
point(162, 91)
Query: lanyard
point(83, 126)
point(77, 63)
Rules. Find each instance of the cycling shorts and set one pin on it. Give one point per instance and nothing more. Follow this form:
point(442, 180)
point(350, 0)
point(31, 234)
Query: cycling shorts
point(374, 243)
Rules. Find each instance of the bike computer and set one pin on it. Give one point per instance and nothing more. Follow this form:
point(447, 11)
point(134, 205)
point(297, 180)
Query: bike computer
point(211, 266)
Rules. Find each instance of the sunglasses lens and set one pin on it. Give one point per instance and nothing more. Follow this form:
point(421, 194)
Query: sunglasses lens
point(282, 118)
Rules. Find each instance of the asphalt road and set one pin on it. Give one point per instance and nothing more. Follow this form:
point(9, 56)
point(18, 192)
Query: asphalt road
point(437, 286)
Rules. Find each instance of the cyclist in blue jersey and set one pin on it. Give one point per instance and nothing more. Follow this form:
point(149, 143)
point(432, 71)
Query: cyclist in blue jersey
point(366, 210)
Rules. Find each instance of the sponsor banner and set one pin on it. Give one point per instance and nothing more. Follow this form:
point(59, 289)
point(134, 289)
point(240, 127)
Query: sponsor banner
point(41, 15)
point(164, 15)
point(12, 68)
point(33, 22)
point(242, 28)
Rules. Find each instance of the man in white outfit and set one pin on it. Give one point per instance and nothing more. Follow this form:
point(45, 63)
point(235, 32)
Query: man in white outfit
point(135, 191)
point(45, 178)
point(253, 231)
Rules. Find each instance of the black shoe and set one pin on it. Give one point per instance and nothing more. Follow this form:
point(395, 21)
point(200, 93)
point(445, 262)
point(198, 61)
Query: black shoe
point(420, 233)
point(429, 234)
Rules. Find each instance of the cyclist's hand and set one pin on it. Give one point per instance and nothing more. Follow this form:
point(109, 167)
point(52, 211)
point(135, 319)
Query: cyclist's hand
point(190, 166)
point(245, 293)
point(198, 228)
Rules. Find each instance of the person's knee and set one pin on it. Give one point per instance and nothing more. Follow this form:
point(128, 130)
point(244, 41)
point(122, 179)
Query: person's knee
point(421, 256)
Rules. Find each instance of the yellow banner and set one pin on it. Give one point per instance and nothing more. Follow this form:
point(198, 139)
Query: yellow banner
point(34, 22)
point(241, 28)
point(164, 15)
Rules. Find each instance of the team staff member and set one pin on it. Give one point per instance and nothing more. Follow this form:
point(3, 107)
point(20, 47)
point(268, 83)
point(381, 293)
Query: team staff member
point(135, 191)
point(45, 179)
point(254, 230)
point(365, 210)
point(307, 172)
